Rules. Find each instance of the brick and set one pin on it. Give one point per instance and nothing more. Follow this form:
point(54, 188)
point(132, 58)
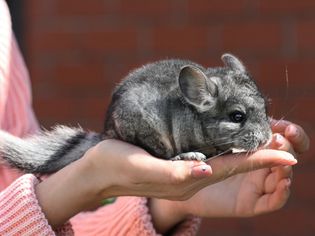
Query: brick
point(36, 11)
point(112, 40)
point(289, 221)
point(294, 109)
point(302, 109)
point(80, 8)
point(301, 182)
point(62, 109)
point(287, 77)
point(92, 107)
point(281, 7)
point(94, 41)
point(180, 40)
point(81, 76)
point(256, 37)
point(145, 8)
point(306, 35)
point(221, 226)
point(274, 224)
point(216, 7)
point(48, 107)
point(54, 41)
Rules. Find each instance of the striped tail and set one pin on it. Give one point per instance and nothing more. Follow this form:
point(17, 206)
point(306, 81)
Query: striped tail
point(48, 151)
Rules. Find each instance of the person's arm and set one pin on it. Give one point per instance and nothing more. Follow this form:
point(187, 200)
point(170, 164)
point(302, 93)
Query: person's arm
point(20, 212)
point(19, 209)
point(114, 168)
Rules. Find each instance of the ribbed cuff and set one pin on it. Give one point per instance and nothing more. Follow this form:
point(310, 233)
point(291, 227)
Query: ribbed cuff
point(127, 216)
point(188, 227)
point(20, 213)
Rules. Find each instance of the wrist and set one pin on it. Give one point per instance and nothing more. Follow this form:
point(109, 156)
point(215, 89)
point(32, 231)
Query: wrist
point(68, 192)
point(99, 174)
point(166, 214)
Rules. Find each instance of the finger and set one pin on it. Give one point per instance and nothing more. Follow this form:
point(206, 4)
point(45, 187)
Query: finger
point(294, 133)
point(233, 164)
point(170, 172)
point(276, 200)
point(283, 172)
point(297, 136)
point(277, 174)
point(278, 142)
point(279, 126)
point(174, 180)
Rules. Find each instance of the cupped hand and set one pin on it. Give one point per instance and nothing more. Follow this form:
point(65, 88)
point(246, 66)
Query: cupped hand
point(294, 134)
point(246, 194)
point(233, 190)
point(132, 171)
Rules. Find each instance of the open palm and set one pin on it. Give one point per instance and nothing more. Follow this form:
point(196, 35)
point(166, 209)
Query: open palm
point(243, 195)
point(256, 192)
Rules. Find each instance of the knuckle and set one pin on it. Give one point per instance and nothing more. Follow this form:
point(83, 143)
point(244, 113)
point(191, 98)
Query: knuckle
point(177, 178)
point(179, 175)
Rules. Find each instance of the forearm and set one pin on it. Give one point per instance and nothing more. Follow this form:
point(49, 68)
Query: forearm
point(163, 217)
point(66, 193)
point(166, 214)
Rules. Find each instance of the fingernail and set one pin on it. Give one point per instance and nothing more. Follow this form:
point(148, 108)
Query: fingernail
point(292, 130)
point(288, 183)
point(279, 140)
point(202, 170)
point(291, 159)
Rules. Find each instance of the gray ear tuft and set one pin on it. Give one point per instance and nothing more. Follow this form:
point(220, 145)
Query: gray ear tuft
point(233, 63)
point(197, 89)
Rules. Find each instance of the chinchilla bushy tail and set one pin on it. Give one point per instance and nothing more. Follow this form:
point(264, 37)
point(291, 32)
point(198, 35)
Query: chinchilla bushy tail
point(48, 151)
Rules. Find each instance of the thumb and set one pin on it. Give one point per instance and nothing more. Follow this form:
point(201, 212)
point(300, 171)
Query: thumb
point(239, 163)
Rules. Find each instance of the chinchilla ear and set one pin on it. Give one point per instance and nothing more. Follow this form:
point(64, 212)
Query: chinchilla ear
point(196, 88)
point(233, 63)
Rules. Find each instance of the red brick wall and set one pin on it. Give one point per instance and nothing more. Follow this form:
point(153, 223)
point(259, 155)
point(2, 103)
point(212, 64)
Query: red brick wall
point(78, 50)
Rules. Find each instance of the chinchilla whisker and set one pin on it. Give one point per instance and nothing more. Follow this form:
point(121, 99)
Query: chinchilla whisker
point(282, 118)
point(211, 147)
point(225, 143)
point(285, 115)
point(220, 154)
point(218, 140)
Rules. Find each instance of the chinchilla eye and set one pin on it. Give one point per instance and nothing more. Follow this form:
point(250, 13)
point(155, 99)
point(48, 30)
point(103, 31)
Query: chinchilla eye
point(237, 116)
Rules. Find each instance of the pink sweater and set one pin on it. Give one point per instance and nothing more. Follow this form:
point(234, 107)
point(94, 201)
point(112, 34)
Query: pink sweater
point(20, 213)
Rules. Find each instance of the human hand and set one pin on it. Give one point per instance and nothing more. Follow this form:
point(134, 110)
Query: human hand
point(114, 168)
point(242, 195)
point(297, 140)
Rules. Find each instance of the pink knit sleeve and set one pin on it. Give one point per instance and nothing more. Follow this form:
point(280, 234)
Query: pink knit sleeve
point(16, 114)
point(127, 216)
point(20, 213)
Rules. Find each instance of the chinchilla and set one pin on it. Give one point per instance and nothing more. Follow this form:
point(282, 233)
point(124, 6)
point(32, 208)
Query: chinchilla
point(174, 109)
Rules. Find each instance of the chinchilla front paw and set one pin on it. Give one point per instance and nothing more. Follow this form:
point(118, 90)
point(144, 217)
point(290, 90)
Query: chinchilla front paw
point(189, 156)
